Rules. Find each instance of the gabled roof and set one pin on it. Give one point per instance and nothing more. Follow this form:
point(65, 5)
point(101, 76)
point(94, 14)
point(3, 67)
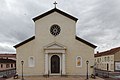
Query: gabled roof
point(54, 10)
point(108, 52)
point(85, 42)
point(62, 13)
point(77, 38)
point(33, 37)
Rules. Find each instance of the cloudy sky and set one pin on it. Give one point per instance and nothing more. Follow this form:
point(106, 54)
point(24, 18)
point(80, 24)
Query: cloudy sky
point(99, 20)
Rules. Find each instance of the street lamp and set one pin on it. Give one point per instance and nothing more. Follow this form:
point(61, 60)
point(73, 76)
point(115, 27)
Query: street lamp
point(22, 62)
point(87, 70)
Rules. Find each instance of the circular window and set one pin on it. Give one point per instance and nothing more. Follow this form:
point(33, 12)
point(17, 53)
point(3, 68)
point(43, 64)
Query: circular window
point(55, 30)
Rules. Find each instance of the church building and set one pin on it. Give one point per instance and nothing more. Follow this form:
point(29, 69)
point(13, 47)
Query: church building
point(55, 49)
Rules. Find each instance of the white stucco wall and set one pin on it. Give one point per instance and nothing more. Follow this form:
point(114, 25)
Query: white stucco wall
point(102, 64)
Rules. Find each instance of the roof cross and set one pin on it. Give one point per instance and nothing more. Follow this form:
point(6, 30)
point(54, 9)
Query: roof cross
point(55, 3)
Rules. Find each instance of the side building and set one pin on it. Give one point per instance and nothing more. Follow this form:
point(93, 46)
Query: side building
point(7, 61)
point(7, 64)
point(108, 60)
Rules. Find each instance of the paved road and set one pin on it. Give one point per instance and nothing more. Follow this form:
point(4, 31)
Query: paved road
point(2, 79)
point(56, 78)
point(111, 79)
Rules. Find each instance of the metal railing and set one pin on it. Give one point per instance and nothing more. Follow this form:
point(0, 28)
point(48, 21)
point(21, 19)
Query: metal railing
point(106, 74)
point(101, 73)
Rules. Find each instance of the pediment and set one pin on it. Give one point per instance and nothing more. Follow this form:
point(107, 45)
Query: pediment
point(55, 45)
point(55, 10)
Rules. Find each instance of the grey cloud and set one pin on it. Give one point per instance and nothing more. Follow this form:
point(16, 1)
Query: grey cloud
point(99, 24)
point(7, 49)
point(98, 20)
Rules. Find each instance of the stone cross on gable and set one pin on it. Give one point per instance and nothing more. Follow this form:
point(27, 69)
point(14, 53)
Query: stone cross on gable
point(55, 3)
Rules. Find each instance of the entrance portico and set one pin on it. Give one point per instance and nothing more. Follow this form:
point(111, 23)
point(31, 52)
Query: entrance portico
point(55, 59)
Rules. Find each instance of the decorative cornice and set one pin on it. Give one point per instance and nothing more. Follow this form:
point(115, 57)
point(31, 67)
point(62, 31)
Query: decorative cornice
point(86, 42)
point(54, 10)
point(24, 42)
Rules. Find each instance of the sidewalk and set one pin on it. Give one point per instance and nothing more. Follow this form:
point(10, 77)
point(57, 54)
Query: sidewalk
point(56, 78)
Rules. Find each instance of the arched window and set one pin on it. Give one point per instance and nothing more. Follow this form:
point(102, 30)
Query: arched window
point(108, 59)
point(31, 62)
point(78, 61)
point(11, 65)
point(7, 65)
point(1, 65)
point(105, 59)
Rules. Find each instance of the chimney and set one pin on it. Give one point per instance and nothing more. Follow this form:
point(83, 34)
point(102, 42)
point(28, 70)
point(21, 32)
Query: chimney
point(97, 52)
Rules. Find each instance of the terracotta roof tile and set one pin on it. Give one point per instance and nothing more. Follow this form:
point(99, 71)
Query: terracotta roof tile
point(108, 52)
point(8, 55)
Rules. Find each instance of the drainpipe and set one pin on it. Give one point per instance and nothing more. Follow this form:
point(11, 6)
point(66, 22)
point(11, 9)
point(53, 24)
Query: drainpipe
point(61, 72)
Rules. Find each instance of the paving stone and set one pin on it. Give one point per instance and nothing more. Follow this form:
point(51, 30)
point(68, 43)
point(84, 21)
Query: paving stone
point(56, 78)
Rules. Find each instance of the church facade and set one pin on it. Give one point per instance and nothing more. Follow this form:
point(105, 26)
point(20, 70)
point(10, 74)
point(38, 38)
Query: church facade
point(55, 49)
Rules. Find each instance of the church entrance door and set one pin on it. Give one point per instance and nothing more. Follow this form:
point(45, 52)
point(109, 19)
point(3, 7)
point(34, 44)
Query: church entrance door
point(55, 64)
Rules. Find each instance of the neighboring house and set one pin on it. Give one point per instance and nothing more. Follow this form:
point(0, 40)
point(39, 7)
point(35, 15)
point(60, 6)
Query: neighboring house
point(108, 60)
point(55, 49)
point(7, 64)
point(7, 61)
